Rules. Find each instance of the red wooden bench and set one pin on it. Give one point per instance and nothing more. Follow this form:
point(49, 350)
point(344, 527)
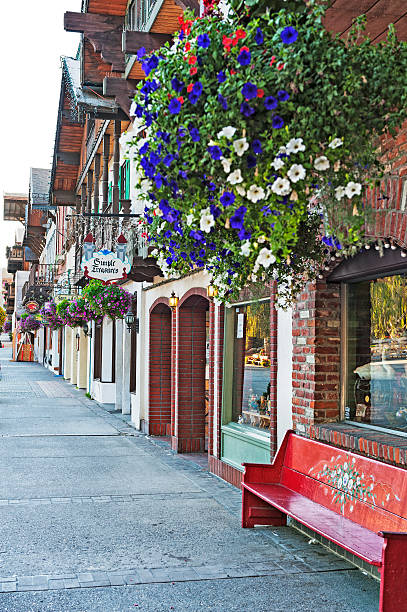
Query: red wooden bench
point(358, 503)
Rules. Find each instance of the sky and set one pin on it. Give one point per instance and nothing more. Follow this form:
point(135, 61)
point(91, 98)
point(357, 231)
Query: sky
point(32, 40)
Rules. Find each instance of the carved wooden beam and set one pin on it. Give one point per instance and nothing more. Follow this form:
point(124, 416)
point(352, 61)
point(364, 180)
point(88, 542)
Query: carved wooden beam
point(103, 31)
point(133, 41)
point(122, 90)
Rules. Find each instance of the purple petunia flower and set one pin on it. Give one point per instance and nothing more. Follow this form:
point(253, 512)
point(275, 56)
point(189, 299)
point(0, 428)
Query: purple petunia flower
point(141, 53)
point(283, 95)
point(259, 37)
point(244, 57)
point(177, 85)
point(194, 133)
point(227, 198)
point(197, 88)
point(251, 161)
point(289, 35)
point(244, 234)
point(270, 103)
point(277, 122)
point(249, 91)
point(238, 218)
point(246, 109)
point(256, 146)
point(174, 106)
point(193, 97)
point(142, 150)
point(223, 102)
point(203, 41)
point(215, 152)
point(221, 76)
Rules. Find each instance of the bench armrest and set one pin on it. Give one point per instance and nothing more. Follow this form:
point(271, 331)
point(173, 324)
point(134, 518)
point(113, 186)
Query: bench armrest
point(265, 473)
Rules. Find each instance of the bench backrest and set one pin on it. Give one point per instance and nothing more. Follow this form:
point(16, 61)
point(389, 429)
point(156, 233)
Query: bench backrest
point(364, 490)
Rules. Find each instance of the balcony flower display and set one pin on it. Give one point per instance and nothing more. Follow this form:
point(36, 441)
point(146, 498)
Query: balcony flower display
point(261, 135)
point(76, 312)
point(110, 300)
point(50, 317)
point(29, 323)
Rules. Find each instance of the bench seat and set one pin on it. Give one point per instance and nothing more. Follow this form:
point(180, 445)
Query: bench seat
point(342, 531)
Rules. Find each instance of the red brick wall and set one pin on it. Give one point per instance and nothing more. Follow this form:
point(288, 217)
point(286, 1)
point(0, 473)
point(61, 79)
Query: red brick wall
point(160, 371)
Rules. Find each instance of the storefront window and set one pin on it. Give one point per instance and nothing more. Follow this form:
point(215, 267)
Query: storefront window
point(251, 365)
point(376, 363)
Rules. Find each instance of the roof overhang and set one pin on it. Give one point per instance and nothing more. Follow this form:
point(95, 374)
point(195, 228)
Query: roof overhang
point(14, 206)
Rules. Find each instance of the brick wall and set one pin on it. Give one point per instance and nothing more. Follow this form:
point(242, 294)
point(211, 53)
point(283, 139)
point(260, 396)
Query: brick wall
point(160, 371)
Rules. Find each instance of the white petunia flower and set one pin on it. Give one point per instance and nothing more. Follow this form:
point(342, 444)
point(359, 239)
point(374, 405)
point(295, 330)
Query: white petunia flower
point(245, 248)
point(281, 187)
point(353, 189)
point(255, 193)
point(228, 132)
point(235, 177)
point(265, 258)
point(277, 163)
point(240, 190)
point(295, 145)
point(190, 219)
point(240, 146)
point(145, 185)
point(282, 150)
point(336, 142)
point(296, 173)
point(226, 164)
point(207, 220)
point(261, 239)
point(321, 163)
point(339, 192)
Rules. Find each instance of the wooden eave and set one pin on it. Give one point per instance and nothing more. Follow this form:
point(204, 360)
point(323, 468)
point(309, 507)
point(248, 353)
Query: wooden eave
point(14, 206)
point(104, 31)
point(379, 14)
point(107, 7)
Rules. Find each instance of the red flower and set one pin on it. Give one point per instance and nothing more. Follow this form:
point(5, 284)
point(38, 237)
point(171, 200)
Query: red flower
point(192, 59)
point(232, 71)
point(169, 96)
point(226, 41)
point(260, 93)
point(273, 59)
point(240, 34)
point(244, 49)
point(193, 70)
point(187, 46)
point(189, 88)
point(235, 40)
point(280, 66)
point(181, 99)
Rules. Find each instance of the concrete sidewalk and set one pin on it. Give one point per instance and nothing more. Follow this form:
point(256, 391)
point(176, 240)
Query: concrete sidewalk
point(96, 516)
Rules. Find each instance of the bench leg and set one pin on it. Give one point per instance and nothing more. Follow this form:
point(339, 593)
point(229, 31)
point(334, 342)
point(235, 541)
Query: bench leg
point(393, 583)
point(257, 512)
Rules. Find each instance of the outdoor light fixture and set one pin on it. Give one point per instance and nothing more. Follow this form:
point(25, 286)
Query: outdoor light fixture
point(86, 330)
point(132, 322)
point(173, 301)
point(211, 291)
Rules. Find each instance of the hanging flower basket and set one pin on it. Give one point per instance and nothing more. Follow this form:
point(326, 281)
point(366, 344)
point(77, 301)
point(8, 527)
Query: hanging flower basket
point(29, 323)
point(49, 316)
point(261, 140)
point(76, 312)
point(110, 300)
point(2, 317)
point(7, 327)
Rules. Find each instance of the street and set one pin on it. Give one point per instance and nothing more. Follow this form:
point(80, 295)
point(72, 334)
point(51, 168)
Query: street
point(96, 516)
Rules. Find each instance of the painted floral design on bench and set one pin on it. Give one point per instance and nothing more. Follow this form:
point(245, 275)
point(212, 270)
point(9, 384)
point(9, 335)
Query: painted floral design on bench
point(348, 483)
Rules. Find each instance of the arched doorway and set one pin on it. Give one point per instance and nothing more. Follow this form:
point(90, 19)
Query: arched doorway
point(160, 371)
point(191, 432)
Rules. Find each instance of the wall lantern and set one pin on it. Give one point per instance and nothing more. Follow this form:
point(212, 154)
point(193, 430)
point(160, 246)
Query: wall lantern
point(173, 301)
point(86, 330)
point(211, 291)
point(132, 322)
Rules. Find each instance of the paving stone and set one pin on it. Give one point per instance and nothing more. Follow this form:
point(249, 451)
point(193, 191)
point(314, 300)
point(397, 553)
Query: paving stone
point(8, 587)
point(71, 584)
point(55, 583)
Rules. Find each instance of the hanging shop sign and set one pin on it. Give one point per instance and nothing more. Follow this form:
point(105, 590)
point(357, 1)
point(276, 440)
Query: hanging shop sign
point(105, 265)
point(32, 306)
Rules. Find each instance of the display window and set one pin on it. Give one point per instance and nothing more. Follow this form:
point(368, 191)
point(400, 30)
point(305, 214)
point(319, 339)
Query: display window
point(375, 360)
point(251, 365)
